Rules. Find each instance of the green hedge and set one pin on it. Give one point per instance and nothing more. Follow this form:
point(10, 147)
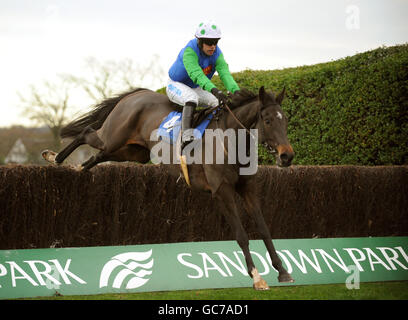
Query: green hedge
point(349, 111)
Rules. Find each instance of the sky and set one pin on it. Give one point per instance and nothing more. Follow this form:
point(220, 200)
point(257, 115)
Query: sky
point(40, 39)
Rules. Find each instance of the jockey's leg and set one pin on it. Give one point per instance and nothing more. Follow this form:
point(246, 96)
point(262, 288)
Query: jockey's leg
point(180, 94)
point(205, 98)
point(183, 95)
point(186, 130)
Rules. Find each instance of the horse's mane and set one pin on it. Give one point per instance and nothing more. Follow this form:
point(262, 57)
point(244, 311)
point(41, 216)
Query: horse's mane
point(241, 97)
point(238, 99)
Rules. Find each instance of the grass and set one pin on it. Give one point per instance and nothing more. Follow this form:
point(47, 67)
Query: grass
point(367, 291)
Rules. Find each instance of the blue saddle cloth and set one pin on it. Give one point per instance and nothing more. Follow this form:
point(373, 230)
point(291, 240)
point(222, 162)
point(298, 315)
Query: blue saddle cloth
point(170, 127)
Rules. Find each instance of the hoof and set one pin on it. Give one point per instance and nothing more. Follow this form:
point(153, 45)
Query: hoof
point(49, 156)
point(285, 278)
point(261, 285)
point(77, 167)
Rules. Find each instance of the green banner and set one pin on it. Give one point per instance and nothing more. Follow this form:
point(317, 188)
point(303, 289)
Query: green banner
point(198, 265)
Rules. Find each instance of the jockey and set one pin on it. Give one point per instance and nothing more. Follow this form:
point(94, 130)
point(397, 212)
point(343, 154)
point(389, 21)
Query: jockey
point(190, 76)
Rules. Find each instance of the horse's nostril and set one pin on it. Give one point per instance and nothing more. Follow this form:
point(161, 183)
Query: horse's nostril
point(286, 157)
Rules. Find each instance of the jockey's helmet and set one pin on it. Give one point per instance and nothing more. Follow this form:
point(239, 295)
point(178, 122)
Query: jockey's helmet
point(209, 30)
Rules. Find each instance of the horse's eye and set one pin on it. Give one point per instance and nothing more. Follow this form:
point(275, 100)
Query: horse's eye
point(267, 121)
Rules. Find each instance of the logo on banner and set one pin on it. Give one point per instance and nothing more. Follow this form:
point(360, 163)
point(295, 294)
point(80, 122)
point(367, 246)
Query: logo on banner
point(129, 270)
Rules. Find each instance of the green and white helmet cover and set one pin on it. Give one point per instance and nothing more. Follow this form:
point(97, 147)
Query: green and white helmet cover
point(208, 29)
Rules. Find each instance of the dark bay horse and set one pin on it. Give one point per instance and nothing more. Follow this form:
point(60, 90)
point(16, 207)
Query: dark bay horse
point(121, 128)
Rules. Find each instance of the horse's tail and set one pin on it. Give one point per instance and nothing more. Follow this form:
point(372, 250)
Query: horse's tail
point(94, 118)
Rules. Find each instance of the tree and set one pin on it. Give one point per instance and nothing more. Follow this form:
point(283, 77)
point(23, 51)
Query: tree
point(47, 105)
point(111, 77)
point(50, 103)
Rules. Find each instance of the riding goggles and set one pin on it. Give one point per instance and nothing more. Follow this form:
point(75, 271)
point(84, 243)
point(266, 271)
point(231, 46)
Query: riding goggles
point(210, 41)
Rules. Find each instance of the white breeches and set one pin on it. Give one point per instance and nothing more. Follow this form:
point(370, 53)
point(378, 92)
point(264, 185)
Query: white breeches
point(179, 93)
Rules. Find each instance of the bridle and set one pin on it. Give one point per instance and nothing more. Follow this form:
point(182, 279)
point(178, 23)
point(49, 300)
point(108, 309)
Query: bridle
point(235, 118)
point(273, 151)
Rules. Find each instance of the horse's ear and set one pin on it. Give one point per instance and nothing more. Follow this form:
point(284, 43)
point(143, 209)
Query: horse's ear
point(280, 96)
point(262, 95)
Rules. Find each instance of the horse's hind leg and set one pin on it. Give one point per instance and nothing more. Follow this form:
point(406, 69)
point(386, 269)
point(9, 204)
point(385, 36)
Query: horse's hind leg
point(226, 194)
point(87, 136)
point(126, 153)
point(94, 160)
point(64, 153)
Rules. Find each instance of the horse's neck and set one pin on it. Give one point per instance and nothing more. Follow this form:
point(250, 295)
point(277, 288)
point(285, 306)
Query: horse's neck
point(246, 114)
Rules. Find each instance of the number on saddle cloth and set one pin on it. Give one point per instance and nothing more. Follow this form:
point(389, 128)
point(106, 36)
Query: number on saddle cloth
point(170, 127)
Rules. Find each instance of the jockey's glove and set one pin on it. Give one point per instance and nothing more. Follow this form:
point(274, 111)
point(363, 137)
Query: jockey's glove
point(222, 98)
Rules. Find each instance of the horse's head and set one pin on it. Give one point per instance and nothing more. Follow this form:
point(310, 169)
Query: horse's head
point(272, 125)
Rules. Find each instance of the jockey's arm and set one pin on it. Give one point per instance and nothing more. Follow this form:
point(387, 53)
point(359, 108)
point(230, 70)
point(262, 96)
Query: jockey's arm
point(223, 71)
point(196, 74)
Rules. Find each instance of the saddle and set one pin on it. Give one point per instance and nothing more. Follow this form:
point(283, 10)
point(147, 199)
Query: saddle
point(170, 127)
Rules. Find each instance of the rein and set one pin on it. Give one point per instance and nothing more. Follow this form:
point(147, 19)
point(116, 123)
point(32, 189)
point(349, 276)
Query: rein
point(237, 120)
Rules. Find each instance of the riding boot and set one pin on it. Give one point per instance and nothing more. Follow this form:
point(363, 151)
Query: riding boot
point(186, 131)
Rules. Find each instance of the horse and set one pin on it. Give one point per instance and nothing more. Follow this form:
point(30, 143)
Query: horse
point(121, 128)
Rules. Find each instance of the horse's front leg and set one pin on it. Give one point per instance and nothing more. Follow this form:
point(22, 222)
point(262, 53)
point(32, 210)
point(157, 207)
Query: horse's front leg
point(248, 192)
point(226, 194)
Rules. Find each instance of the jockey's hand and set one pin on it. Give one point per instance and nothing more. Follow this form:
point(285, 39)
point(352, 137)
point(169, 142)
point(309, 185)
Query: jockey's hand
point(222, 98)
